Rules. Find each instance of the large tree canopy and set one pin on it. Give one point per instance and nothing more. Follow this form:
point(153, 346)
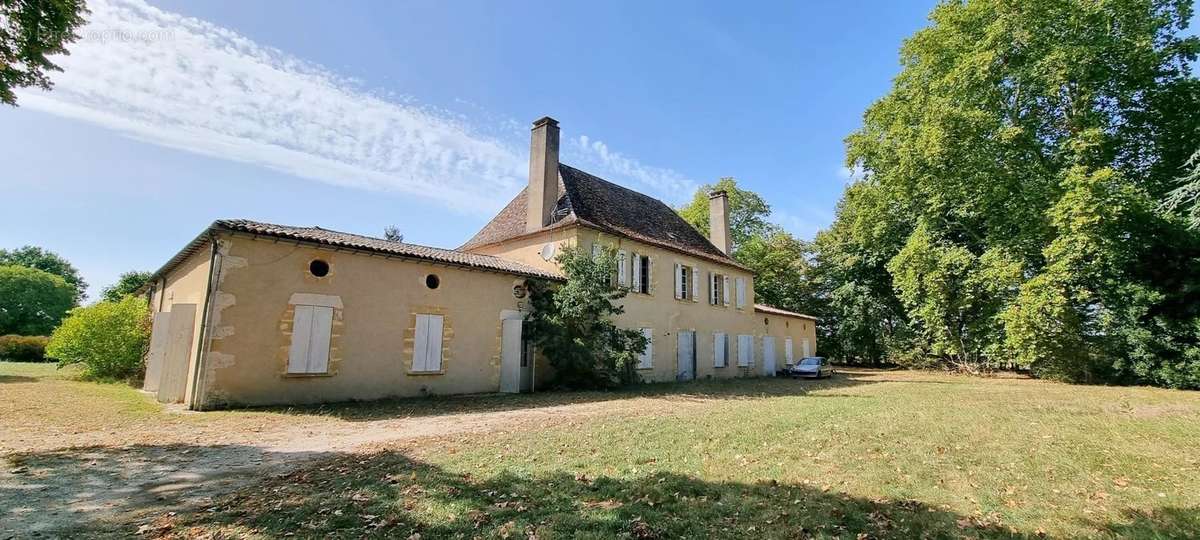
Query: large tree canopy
point(46, 261)
point(127, 284)
point(30, 32)
point(1010, 178)
point(32, 302)
point(748, 211)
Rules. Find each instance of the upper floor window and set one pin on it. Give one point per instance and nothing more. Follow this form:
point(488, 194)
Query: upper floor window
point(641, 273)
point(686, 282)
point(718, 289)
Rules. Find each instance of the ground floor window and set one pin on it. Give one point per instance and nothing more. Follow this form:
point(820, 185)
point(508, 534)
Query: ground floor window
point(427, 344)
point(312, 327)
point(646, 359)
point(720, 349)
point(745, 350)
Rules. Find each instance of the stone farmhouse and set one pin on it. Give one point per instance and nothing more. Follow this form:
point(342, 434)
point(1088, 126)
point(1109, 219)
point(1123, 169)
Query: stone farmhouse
point(252, 313)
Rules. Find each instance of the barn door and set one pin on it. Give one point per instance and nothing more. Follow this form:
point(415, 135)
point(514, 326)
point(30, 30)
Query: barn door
point(158, 350)
point(180, 330)
point(687, 355)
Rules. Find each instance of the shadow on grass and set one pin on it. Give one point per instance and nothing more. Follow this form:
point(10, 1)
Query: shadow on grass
point(70, 491)
point(388, 494)
point(714, 389)
point(16, 379)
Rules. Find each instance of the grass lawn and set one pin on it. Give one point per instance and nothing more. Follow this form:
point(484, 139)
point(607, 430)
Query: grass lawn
point(868, 454)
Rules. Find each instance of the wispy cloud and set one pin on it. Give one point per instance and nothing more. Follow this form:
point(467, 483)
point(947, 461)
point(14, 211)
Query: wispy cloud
point(598, 158)
point(185, 83)
point(850, 175)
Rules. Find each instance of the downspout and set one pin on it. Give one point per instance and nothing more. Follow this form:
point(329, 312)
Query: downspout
point(205, 316)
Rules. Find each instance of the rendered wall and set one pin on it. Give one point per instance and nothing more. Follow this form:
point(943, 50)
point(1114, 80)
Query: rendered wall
point(377, 299)
point(186, 284)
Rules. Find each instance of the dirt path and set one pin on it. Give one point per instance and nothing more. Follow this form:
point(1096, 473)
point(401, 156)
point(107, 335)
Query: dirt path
point(63, 490)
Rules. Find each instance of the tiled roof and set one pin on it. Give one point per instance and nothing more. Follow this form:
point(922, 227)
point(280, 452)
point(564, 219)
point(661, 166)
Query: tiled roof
point(763, 308)
point(592, 201)
point(327, 237)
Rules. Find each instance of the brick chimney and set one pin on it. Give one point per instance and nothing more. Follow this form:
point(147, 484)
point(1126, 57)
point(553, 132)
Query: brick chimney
point(718, 221)
point(542, 194)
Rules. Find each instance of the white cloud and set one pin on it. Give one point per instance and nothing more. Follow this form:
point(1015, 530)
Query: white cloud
point(185, 83)
point(599, 159)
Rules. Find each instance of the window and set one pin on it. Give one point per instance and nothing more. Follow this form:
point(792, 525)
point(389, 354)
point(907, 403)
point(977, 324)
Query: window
point(718, 289)
point(641, 274)
point(720, 349)
point(686, 285)
point(432, 281)
point(311, 329)
point(789, 357)
point(427, 344)
point(745, 350)
point(646, 359)
point(740, 283)
point(318, 268)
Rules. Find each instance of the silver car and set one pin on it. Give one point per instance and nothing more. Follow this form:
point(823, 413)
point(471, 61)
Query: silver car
point(813, 366)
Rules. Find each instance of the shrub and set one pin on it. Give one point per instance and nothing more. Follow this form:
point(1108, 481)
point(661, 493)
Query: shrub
point(23, 348)
point(32, 301)
point(108, 338)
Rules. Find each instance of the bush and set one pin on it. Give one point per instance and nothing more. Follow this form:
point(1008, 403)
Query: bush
point(23, 348)
point(32, 302)
point(108, 338)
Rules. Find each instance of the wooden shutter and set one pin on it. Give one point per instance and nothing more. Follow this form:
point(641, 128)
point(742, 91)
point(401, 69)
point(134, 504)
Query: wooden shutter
point(427, 343)
point(318, 344)
point(301, 335)
point(695, 284)
point(678, 281)
point(720, 349)
point(433, 359)
point(637, 272)
point(805, 348)
point(725, 289)
point(745, 350)
point(741, 292)
point(311, 330)
point(712, 289)
point(622, 268)
point(649, 272)
point(787, 352)
point(646, 360)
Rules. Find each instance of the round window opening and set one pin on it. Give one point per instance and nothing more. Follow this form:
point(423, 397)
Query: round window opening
point(432, 281)
point(318, 268)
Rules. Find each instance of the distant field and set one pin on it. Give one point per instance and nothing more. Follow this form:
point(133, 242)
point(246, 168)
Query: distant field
point(867, 454)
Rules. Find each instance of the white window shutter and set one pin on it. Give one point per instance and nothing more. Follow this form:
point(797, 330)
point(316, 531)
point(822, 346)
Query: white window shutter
point(725, 289)
point(745, 350)
point(647, 358)
point(421, 344)
point(719, 349)
point(433, 359)
point(695, 285)
point(788, 356)
point(649, 272)
point(301, 337)
point(678, 281)
point(622, 268)
point(318, 343)
point(741, 292)
point(637, 272)
point(596, 250)
point(712, 289)
point(805, 348)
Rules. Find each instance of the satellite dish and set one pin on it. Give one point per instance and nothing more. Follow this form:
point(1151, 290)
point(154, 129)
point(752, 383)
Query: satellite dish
point(548, 251)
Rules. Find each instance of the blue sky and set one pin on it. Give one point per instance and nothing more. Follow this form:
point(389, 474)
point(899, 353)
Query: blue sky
point(357, 115)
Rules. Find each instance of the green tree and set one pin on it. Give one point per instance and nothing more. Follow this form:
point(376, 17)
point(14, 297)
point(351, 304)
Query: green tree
point(46, 261)
point(32, 302)
point(108, 338)
point(1186, 197)
point(30, 32)
point(748, 211)
point(128, 283)
point(1005, 119)
point(572, 324)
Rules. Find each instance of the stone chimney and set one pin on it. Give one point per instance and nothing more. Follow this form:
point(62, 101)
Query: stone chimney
point(718, 221)
point(542, 194)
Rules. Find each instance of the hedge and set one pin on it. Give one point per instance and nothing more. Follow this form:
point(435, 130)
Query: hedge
point(108, 338)
point(23, 348)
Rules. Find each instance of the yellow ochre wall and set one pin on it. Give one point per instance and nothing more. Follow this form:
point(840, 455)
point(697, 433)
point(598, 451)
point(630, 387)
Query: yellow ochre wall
point(371, 347)
point(666, 315)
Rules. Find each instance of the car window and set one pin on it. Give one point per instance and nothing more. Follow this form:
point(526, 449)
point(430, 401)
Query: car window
point(810, 362)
